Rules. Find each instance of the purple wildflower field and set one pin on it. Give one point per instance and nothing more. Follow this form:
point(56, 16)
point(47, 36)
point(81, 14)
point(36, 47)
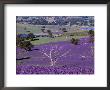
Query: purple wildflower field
point(68, 59)
point(61, 57)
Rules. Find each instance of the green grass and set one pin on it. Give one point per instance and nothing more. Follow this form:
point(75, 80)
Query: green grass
point(31, 28)
point(37, 29)
point(42, 40)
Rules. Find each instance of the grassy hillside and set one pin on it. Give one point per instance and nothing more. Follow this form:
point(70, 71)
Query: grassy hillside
point(72, 33)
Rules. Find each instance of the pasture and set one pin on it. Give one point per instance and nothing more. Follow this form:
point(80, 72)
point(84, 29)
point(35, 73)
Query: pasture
point(42, 40)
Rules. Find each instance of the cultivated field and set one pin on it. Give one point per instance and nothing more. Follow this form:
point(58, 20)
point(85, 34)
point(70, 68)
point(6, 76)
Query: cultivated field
point(56, 55)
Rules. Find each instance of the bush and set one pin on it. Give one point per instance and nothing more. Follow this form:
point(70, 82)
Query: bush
point(19, 39)
point(72, 35)
point(26, 45)
point(64, 30)
point(74, 41)
point(91, 36)
point(27, 31)
point(50, 33)
point(43, 29)
point(36, 39)
point(91, 33)
point(31, 36)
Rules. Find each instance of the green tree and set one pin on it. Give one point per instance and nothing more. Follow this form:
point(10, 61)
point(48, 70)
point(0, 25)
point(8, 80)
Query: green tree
point(31, 36)
point(26, 45)
point(91, 33)
point(50, 33)
point(43, 29)
point(91, 36)
point(74, 41)
point(64, 30)
point(25, 28)
point(19, 39)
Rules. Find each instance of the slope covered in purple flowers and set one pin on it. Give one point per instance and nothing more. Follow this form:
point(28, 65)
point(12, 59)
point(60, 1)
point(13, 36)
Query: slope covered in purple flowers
point(57, 58)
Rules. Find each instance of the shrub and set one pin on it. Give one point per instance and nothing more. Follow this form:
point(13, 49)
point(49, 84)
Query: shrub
point(50, 33)
point(91, 36)
point(26, 45)
point(72, 35)
point(64, 30)
point(36, 39)
point(25, 28)
point(43, 29)
point(91, 33)
point(19, 39)
point(31, 36)
point(74, 41)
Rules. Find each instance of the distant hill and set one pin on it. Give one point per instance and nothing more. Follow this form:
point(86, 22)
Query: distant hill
point(56, 20)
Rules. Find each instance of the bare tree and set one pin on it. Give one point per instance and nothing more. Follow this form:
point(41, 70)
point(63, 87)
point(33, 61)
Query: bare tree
point(54, 52)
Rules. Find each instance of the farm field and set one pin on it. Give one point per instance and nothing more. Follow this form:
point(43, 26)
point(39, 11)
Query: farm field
point(54, 49)
point(67, 55)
